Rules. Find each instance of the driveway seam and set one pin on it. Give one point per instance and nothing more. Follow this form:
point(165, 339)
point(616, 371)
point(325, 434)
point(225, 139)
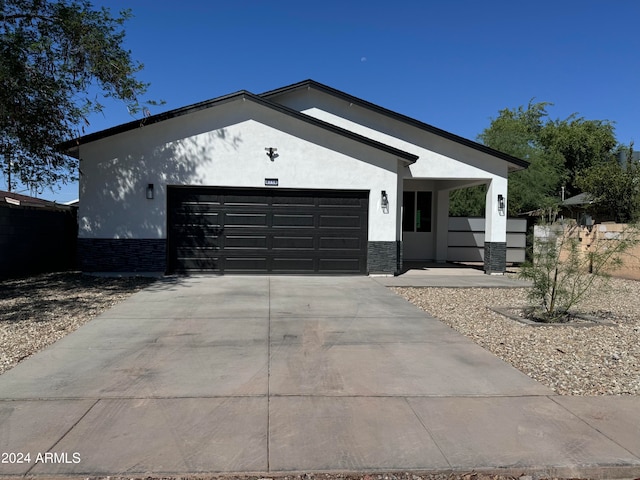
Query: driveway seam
point(269, 375)
point(146, 397)
point(65, 434)
point(428, 431)
point(401, 395)
point(593, 427)
point(274, 395)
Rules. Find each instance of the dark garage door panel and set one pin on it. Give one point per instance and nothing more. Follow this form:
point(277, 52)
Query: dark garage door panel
point(229, 230)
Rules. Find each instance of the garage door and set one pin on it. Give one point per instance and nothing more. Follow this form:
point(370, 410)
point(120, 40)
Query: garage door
point(228, 230)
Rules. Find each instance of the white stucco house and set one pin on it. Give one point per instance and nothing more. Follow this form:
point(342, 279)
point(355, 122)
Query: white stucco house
point(302, 179)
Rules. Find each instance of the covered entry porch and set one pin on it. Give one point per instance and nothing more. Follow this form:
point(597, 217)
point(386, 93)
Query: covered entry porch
point(451, 275)
point(426, 231)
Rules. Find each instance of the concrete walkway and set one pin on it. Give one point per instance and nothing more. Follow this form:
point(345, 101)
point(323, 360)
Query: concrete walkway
point(283, 374)
point(450, 275)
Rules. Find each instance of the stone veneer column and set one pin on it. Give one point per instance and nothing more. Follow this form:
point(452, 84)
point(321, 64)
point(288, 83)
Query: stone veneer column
point(495, 257)
point(384, 257)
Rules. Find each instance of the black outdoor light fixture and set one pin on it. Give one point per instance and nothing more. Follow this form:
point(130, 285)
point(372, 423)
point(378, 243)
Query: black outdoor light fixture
point(271, 153)
point(384, 201)
point(150, 191)
point(500, 202)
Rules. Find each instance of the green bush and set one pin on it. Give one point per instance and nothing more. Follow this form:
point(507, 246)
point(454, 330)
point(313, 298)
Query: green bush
point(563, 273)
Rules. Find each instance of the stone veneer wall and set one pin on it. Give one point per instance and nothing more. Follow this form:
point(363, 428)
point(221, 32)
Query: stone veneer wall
point(122, 255)
point(150, 255)
point(384, 257)
point(495, 257)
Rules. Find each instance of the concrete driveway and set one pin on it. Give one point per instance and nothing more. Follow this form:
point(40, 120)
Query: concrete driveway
point(279, 374)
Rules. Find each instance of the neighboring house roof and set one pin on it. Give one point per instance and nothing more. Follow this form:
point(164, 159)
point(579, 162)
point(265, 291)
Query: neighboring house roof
point(71, 146)
point(17, 199)
point(579, 200)
point(397, 116)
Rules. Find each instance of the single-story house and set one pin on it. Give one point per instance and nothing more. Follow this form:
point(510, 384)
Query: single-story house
point(302, 179)
point(579, 208)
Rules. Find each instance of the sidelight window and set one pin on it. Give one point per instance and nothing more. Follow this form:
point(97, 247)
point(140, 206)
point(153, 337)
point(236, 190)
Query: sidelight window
point(416, 216)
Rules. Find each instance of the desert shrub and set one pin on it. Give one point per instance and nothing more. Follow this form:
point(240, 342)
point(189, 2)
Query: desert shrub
point(563, 271)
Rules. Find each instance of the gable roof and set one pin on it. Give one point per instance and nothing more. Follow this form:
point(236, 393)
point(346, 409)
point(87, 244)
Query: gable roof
point(397, 116)
point(71, 147)
point(581, 199)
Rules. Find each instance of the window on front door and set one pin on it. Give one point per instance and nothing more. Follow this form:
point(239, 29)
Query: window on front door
point(416, 215)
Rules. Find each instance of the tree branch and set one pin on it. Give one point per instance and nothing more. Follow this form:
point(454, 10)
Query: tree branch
point(28, 16)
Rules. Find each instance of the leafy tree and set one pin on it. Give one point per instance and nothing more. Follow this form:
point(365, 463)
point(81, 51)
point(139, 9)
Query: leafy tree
point(468, 202)
point(54, 56)
point(559, 151)
point(580, 143)
point(518, 132)
point(615, 188)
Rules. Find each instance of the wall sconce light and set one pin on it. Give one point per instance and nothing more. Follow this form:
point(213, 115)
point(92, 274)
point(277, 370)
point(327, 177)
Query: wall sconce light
point(501, 203)
point(150, 191)
point(271, 153)
point(384, 201)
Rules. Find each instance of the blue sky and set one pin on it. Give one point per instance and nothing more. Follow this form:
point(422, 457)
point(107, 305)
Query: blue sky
point(453, 64)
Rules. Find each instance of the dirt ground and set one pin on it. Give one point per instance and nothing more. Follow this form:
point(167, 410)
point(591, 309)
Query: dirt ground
point(39, 310)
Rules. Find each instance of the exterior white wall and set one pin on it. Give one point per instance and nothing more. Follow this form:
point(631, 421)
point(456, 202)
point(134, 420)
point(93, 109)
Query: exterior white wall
point(223, 146)
point(439, 158)
point(496, 218)
point(442, 225)
point(417, 246)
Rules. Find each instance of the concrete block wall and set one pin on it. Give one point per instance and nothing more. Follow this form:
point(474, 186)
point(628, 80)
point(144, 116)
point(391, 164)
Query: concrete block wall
point(597, 238)
point(36, 240)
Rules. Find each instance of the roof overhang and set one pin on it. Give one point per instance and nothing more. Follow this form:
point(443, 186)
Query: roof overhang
point(514, 162)
point(72, 147)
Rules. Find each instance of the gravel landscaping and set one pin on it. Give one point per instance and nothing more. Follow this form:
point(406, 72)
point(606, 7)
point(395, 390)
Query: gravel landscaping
point(572, 360)
point(37, 311)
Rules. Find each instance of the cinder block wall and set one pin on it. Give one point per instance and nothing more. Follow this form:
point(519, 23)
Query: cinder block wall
point(597, 238)
point(36, 240)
